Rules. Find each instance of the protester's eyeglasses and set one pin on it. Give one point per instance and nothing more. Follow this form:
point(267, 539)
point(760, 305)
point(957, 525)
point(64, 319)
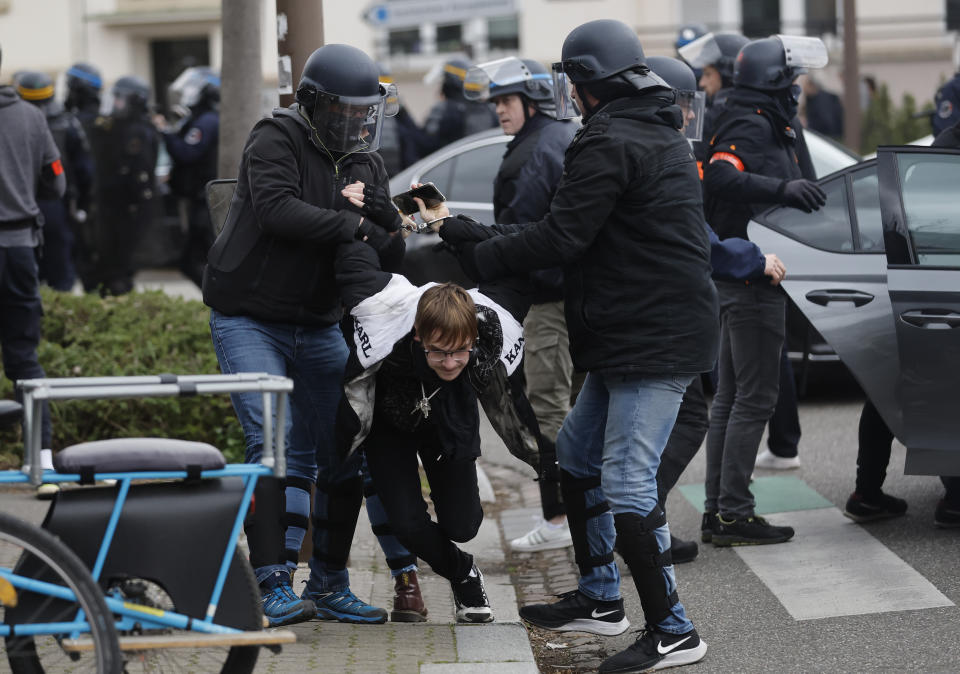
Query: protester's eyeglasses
point(437, 356)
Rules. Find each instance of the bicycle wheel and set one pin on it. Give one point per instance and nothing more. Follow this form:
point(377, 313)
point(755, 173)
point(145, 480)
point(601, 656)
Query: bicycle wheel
point(201, 659)
point(50, 560)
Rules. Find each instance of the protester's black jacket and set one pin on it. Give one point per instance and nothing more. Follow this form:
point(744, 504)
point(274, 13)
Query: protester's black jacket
point(627, 226)
point(751, 156)
point(273, 261)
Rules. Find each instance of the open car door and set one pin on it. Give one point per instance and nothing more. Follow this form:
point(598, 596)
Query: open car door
point(920, 205)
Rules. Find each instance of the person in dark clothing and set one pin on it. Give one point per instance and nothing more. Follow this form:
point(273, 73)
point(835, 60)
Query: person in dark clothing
point(454, 116)
point(275, 307)
point(30, 168)
point(868, 502)
point(626, 224)
point(125, 146)
point(522, 93)
point(61, 216)
point(422, 358)
point(752, 164)
point(946, 105)
point(823, 109)
point(192, 146)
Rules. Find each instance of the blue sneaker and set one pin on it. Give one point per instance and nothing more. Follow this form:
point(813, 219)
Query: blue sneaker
point(345, 607)
point(280, 605)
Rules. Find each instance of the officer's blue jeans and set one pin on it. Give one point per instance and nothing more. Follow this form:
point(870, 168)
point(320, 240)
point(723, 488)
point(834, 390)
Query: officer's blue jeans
point(618, 429)
point(314, 357)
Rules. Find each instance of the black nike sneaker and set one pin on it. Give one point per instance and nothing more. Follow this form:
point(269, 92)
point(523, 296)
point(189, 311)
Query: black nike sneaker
point(656, 650)
point(576, 612)
point(708, 527)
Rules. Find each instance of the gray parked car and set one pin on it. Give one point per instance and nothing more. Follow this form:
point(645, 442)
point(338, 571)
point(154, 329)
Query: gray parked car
point(877, 273)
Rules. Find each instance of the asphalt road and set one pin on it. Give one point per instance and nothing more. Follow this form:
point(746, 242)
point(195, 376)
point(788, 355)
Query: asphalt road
point(739, 612)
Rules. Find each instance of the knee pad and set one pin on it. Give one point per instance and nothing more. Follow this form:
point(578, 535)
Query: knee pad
point(264, 524)
point(574, 491)
point(637, 544)
point(333, 534)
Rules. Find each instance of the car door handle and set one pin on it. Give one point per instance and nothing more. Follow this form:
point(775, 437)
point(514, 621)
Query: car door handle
point(825, 297)
point(932, 319)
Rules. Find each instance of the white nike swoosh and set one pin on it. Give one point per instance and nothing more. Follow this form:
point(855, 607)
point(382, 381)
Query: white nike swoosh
point(663, 651)
point(594, 614)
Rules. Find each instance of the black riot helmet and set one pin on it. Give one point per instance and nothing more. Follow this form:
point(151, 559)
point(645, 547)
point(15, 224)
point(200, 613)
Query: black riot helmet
point(773, 63)
point(454, 73)
point(34, 86)
point(604, 56)
point(83, 86)
point(688, 33)
point(718, 50)
point(130, 94)
point(683, 81)
point(341, 97)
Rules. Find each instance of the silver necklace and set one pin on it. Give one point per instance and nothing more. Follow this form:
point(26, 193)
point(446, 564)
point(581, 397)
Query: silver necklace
point(423, 405)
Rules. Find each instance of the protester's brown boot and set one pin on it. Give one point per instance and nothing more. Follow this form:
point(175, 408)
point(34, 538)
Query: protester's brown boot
point(407, 602)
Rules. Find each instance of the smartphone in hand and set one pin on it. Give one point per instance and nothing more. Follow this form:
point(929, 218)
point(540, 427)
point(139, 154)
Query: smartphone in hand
point(431, 196)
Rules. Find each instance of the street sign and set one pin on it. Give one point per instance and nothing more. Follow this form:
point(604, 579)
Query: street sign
point(410, 13)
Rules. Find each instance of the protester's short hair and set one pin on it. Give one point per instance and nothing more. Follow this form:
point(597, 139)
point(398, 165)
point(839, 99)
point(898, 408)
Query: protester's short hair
point(446, 311)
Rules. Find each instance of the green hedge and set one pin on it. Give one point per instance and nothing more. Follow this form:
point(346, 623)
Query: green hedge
point(139, 333)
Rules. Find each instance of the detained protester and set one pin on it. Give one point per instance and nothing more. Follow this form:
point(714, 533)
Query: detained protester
point(522, 93)
point(275, 308)
point(421, 358)
point(626, 224)
point(752, 164)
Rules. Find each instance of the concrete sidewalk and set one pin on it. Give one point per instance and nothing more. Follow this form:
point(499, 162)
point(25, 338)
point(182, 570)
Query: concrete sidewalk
point(438, 645)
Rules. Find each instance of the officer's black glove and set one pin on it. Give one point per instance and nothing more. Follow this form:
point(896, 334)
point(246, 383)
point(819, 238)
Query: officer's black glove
point(377, 205)
point(462, 229)
point(803, 194)
point(468, 260)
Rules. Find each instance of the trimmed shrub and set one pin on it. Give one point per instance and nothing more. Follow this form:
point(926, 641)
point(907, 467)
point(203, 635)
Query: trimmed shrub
point(135, 334)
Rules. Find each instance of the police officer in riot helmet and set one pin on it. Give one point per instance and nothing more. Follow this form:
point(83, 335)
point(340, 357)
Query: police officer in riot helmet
point(626, 224)
point(62, 216)
point(275, 307)
point(192, 144)
point(125, 146)
point(454, 117)
point(752, 163)
point(83, 92)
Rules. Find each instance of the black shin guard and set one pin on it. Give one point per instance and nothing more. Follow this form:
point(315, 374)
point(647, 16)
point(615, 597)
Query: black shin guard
point(574, 492)
point(637, 544)
point(336, 531)
point(264, 524)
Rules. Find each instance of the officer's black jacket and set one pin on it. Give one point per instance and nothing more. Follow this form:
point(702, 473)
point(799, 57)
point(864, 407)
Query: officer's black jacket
point(751, 156)
point(273, 261)
point(627, 225)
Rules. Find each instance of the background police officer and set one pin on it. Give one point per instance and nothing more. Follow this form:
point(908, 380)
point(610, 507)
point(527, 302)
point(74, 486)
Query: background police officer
point(454, 116)
point(61, 216)
point(125, 146)
point(752, 164)
point(192, 145)
point(522, 95)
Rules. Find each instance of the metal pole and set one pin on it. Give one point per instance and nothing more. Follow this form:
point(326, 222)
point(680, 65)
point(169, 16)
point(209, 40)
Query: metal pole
point(299, 33)
point(241, 80)
point(851, 77)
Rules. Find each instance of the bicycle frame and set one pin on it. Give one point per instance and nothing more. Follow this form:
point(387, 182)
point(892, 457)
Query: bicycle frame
point(35, 391)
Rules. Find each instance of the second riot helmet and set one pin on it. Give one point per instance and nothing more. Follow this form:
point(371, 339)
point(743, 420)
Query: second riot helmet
point(341, 97)
point(130, 96)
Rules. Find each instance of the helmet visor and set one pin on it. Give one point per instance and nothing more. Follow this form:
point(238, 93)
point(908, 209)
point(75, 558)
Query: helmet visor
point(349, 124)
point(702, 52)
point(564, 105)
point(804, 52)
point(508, 75)
point(187, 90)
point(693, 104)
point(391, 101)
